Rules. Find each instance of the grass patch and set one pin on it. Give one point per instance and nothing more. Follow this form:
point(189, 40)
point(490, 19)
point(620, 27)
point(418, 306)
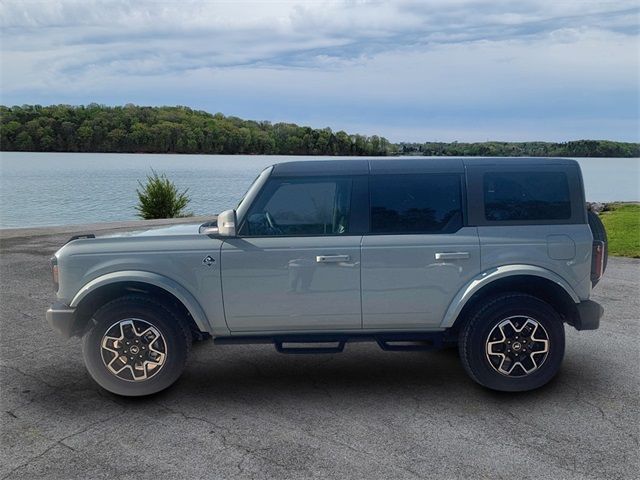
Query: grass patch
point(622, 221)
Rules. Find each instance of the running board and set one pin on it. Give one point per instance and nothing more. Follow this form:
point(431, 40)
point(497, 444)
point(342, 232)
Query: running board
point(406, 346)
point(330, 343)
point(293, 347)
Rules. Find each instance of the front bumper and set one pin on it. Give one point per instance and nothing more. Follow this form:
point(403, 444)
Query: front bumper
point(62, 318)
point(588, 315)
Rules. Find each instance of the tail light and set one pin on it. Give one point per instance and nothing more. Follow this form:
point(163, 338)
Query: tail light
point(597, 261)
point(54, 272)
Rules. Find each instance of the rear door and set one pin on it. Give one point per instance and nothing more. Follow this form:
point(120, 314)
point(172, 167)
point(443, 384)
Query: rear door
point(418, 253)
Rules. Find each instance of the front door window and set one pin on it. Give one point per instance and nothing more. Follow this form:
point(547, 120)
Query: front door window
point(300, 207)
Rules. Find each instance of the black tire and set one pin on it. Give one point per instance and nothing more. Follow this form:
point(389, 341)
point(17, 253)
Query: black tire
point(483, 322)
point(599, 235)
point(175, 338)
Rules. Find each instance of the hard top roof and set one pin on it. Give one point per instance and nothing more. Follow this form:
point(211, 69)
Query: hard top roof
point(403, 165)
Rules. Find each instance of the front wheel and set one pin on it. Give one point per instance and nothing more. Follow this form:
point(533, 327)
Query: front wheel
point(514, 342)
point(136, 346)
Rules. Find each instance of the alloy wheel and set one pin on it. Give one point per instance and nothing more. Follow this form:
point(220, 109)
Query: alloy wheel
point(133, 349)
point(517, 346)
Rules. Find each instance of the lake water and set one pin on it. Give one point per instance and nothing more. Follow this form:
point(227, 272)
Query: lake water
point(40, 189)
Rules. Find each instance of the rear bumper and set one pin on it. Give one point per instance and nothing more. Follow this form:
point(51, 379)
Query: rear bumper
point(588, 315)
point(62, 318)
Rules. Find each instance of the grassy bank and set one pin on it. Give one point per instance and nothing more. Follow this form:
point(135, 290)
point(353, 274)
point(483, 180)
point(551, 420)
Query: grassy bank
point(622, 221)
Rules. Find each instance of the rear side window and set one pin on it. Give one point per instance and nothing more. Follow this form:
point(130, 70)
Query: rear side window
point(526, 196)
point(428, 203)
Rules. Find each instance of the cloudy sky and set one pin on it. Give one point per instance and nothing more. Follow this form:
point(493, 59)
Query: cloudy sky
point(408, 70)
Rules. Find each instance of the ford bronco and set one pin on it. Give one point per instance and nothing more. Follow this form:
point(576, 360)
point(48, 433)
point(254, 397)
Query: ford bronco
point(492, 255)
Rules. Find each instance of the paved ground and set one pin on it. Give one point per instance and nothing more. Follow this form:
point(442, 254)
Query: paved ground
point(249, 412)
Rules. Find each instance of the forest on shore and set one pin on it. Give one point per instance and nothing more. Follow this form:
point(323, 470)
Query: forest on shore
point(139, 129)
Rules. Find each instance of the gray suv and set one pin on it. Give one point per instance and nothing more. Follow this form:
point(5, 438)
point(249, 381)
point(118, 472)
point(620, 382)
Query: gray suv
point(491, 255)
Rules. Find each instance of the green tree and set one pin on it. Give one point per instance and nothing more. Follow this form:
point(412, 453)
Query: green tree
point(24, 142)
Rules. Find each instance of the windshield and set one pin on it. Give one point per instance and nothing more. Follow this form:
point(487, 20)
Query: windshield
point(247, 198)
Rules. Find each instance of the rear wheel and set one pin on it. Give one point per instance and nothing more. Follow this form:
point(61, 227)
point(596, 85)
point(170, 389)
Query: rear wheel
point(515, 342)
point(136, 346)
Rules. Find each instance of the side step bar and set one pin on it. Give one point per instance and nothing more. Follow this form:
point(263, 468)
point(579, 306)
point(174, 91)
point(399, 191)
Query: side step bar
point(329, 343)
point(309, 347)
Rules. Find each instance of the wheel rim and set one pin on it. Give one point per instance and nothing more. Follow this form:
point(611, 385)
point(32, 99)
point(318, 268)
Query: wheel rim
point(133, 349)
point(517, 346)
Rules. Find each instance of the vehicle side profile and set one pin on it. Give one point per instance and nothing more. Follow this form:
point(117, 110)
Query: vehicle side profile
point(492, 255)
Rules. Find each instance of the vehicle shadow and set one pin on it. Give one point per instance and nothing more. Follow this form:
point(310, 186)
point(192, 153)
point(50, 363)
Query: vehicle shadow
point(258, 377)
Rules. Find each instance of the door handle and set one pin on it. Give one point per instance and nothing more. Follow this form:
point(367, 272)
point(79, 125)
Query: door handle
point(332, 258)
point(451, 255)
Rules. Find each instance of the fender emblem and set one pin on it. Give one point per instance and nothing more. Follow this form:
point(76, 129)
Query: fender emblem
point(208, 260)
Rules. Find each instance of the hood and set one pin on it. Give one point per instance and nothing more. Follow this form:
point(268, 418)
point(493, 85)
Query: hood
point(182, 229)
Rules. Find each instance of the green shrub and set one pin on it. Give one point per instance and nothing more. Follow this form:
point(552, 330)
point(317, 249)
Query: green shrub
point(160, 198)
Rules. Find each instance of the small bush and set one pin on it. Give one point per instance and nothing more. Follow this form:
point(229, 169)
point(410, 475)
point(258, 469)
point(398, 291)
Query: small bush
point(160, 198)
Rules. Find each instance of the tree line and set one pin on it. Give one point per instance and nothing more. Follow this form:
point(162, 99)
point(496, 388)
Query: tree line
point(136, 129)
point(577, 148)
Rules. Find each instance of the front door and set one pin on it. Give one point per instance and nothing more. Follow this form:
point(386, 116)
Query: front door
point(295, 265)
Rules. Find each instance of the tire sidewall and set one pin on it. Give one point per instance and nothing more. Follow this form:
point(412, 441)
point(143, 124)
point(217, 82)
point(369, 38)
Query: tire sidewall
point(152, 312)
point(487, 319)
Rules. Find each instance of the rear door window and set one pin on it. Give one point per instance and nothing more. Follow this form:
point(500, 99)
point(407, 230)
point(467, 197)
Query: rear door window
point(523, 196)
point(424, 203)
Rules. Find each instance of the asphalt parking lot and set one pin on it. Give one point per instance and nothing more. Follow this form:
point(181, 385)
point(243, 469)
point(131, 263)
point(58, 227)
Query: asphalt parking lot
point(250, 412)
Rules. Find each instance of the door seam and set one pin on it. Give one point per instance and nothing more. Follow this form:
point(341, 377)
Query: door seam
point(360, 271)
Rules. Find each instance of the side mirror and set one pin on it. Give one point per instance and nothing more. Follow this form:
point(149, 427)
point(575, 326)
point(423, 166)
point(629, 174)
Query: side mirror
point(227, 223)
point(209, 228)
